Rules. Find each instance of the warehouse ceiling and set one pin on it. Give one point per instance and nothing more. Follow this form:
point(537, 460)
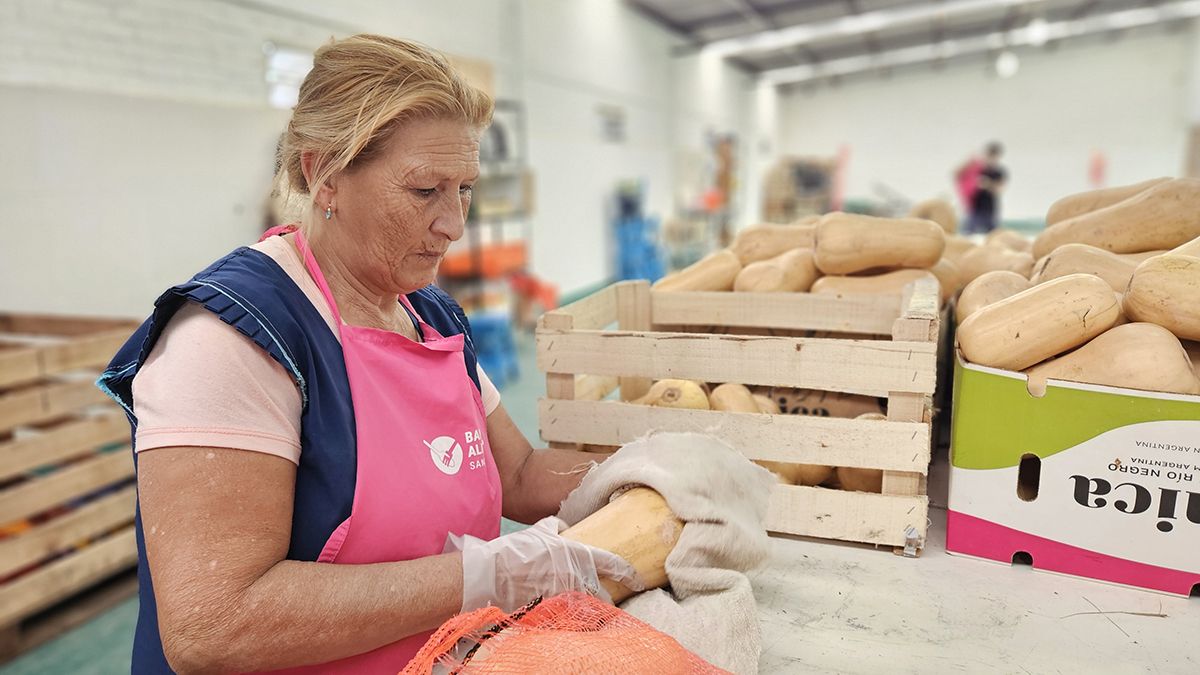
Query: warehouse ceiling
point(804, 40)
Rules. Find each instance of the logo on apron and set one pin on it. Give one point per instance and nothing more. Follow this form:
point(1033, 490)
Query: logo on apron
point(446, 453)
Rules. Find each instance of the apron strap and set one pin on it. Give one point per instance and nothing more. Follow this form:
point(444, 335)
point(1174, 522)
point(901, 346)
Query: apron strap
point(314, 269)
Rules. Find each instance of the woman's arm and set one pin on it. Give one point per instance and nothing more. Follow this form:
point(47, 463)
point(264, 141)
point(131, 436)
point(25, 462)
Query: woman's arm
point(217, 523)
point(535, 482)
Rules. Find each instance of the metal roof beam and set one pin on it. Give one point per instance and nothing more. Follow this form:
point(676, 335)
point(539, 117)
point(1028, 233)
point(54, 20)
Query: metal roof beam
point(853, 25)
point(1053, 31)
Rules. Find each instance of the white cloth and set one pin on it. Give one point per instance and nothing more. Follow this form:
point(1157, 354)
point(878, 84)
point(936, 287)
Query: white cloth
point(722, 499)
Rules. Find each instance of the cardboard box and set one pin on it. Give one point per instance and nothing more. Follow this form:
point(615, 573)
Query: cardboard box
point(1090, 481)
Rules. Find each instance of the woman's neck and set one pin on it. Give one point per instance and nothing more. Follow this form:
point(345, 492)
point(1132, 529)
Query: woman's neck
point(359, 302)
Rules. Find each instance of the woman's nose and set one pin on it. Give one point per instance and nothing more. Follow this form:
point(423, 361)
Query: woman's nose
point(452, 218)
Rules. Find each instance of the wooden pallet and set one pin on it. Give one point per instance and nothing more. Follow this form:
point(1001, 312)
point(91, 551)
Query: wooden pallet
point(615, 333)
point(66, 471)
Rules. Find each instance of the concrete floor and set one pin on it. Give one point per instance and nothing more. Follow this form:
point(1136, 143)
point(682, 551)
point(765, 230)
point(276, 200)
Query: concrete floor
point(835, 608)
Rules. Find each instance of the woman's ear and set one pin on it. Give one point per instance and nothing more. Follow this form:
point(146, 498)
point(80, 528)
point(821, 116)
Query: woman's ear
point(324, 193)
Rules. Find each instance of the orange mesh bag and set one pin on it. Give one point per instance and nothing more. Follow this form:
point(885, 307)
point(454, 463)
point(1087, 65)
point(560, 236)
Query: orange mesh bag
point(568, 633)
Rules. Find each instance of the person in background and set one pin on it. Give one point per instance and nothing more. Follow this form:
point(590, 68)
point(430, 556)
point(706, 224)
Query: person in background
point(985, 202)
point(965, 178)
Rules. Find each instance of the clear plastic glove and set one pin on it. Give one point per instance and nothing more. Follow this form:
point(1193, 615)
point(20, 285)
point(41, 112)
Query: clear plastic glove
point(511, 570)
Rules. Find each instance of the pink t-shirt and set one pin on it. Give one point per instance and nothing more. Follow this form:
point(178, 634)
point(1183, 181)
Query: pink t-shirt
point(205, 384)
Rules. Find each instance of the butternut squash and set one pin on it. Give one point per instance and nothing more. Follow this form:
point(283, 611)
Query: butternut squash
point(1084, 259)
point(949, 278)
point(1193, 351)
point(862, 480)
point(1010, 239)
point(988, 288)
point(791, 271)
point(939, 211)
point(766, 405)
point(737, 398)
point(1092, 200)
point(1164, 215)
point(984, 259)
point(848, 243)
point(957, 247)
point(640, 527)
point(1191, 248)
point(797, 474)
point(1140, 356)
point(675, 394)
point(765, 241)
point(1166, 290)
point(715, 272)
point(808, 474)
point(890, 282)
point(732, 398)
point(1041, 322)
point(1139, 258)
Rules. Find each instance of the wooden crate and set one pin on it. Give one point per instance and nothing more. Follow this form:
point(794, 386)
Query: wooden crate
point(66, 473)
point(614, 333)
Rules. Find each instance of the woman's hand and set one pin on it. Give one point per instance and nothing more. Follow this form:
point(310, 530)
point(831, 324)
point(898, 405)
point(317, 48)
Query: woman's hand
point(510, 571)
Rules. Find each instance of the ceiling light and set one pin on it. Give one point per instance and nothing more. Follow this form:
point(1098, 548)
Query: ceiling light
point(1007, 64)
point(1037, 32)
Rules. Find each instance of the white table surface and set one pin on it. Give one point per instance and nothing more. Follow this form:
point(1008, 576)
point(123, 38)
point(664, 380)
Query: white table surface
point(836, 608)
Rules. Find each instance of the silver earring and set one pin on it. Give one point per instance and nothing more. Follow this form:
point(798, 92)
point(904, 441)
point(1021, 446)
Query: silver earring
point(329, 212)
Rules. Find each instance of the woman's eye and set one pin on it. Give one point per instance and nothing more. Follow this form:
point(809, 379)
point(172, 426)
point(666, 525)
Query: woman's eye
point(466, 190)
point(426, 192)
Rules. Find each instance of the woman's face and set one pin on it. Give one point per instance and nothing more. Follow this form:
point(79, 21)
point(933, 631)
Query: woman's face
point(397, 213)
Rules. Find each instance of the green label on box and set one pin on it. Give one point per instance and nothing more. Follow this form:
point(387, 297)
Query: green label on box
point(996, 420)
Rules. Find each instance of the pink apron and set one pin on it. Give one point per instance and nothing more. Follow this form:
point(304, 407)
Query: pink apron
point(425, 468)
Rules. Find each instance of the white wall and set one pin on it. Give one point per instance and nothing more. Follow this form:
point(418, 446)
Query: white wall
point(1128, 99)
point(148, 124)
point(109, 200)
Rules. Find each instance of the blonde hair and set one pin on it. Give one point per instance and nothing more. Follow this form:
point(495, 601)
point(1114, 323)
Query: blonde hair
point(357, 91)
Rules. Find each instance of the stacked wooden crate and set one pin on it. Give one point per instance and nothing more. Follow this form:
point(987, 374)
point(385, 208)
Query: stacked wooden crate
point(66, 472)
point(617, 333)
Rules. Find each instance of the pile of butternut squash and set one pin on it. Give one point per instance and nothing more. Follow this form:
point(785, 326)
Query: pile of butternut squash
point(733, 397)
point(833, 253)
point(1112, 299)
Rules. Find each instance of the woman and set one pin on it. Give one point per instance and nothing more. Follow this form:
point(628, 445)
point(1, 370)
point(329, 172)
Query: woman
point(313, 399)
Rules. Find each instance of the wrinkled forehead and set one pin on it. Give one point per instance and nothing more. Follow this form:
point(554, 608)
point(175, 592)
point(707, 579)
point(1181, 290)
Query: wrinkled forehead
point(434, 150)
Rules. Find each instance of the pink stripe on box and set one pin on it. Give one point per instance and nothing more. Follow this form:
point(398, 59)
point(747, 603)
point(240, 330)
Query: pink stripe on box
point(984, 539)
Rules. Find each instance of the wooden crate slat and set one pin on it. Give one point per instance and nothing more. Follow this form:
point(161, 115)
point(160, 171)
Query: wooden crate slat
point(64, 325)
point(18, 364)
point(921, 300)
point(68, 439)
point(870, 367)
point(94, 518)
point(22, 406)
point(596, 311)
point(633, 313)
point(849, 516)
point(898, 446)
point(40, 403)
point(39, 494)
point(850, 313)
point(90, 352)
point(57, 580)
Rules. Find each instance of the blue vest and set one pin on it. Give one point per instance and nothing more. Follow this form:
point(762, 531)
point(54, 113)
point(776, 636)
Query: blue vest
point(250, 292)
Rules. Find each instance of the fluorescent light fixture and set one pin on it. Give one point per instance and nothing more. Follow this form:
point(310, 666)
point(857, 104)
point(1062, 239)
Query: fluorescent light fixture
point(1037, 32)
point(857, 24)
point(1007, 64)
point(1101, 23)
point(285, 71)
